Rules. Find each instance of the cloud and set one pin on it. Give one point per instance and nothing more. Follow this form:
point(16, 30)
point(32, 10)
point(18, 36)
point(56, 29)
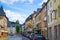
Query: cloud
point(12, 1)
point(23, 0)
point(13, 16)
point(31, 1)
point(44, 0)
point(40, 4)
point(9, 1)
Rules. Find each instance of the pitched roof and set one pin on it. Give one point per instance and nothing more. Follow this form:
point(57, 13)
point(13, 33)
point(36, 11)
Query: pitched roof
point(2, 13)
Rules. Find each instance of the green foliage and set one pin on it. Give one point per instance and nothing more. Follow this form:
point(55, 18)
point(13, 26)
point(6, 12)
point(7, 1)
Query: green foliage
point(17, 28)
point(13, 23)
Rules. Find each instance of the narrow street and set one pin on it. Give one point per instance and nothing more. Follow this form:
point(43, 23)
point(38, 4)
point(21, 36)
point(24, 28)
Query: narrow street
point(29, 19)
point(17, 37)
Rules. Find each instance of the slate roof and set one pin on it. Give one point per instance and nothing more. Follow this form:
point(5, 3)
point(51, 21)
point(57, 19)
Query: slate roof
point(2, 13)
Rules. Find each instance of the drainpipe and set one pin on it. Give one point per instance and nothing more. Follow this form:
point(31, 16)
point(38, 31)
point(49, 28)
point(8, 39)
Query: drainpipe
point(47, 21)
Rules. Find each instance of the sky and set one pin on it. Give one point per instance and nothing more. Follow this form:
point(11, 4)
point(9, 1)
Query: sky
point(20, 9)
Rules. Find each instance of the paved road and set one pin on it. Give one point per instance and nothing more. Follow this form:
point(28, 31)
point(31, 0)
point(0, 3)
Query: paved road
point(17, 37)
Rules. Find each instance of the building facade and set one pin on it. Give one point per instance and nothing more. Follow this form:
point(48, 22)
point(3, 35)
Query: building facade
point(43, 20)
point(37, 19)
point(3, 23)
point(9, 27)
point(34, 19)
point(57, 20)
point(28, 24)
point(13, 27)
point(52, 14)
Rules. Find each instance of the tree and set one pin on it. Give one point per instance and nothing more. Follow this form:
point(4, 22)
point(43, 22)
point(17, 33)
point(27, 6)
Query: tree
point(17, 28)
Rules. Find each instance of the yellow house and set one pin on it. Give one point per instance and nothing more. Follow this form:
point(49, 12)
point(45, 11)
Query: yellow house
point(57, 20)
point(28, 25)
point(3, 23)
point(57, 9)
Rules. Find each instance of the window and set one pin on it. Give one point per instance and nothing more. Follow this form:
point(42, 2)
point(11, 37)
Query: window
point(50, 4)
point(51, 16)
point(50, 33)
point(48, 19)
point(38, 25)
point(59, 29)
point(2, 33)
point(59, 10)
point(55, 31)
point(48, 7)
point(54, 0)
point(39, 17)
point(54, 14)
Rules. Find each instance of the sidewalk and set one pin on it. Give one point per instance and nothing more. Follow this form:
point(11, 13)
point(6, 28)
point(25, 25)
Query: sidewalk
point(3, 38)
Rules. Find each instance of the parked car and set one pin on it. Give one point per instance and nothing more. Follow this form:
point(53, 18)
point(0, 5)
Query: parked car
point(37, 36)
point(31, 35)
point(24, 34)
point(28, 35)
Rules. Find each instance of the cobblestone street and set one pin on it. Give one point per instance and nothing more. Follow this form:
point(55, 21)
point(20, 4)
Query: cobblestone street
point(17, 37)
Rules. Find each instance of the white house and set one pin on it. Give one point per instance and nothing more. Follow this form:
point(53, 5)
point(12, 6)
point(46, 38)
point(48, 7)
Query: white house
point(50, 19)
